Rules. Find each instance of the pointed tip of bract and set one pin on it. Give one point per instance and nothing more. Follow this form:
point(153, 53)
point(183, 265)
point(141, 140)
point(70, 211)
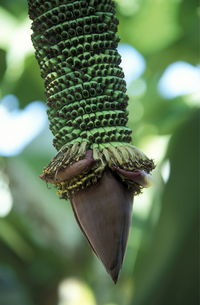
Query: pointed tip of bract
point(114, 273)
point(103, 212)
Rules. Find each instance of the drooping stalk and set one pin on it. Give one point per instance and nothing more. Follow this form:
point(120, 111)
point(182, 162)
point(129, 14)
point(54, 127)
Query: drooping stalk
point(76, 48)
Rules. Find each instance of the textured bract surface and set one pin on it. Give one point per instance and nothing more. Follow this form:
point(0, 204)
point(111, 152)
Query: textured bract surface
point(75, 43)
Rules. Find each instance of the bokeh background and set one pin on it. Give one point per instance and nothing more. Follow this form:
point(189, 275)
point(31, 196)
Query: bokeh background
point(44, 259)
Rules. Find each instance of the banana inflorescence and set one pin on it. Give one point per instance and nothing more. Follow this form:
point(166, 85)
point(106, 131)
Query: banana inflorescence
point(76, 48)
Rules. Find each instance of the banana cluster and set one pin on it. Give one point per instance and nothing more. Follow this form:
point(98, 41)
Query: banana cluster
point(75, 43)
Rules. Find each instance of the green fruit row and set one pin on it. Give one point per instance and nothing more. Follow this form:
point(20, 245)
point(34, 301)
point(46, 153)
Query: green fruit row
point(75, 43)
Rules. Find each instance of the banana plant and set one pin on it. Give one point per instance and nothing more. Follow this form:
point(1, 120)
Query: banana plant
point(95, 167)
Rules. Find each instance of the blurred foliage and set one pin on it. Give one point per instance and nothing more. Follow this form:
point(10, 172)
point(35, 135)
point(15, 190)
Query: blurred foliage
point(29, 86)
point(40, 243)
